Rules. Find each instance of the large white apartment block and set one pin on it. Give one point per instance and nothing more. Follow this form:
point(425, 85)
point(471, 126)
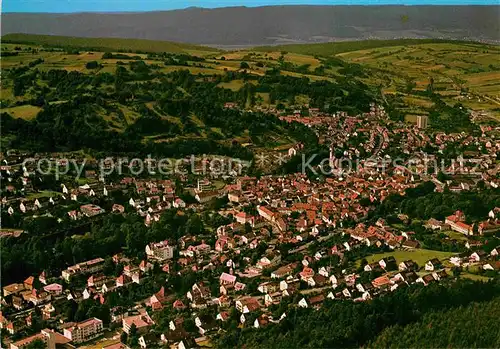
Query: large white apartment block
point(160, 250)
point(84, 331)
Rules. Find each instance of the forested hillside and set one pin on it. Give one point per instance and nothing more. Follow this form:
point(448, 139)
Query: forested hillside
point(471, 326)
point(344, 324)
point(165, 104)
point(139, 108)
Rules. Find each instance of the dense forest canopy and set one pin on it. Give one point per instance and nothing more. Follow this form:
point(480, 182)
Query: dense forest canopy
point(344, 324)
point(463, 327)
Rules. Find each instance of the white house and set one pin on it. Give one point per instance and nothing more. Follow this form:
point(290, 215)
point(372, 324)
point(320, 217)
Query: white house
point(303, 303)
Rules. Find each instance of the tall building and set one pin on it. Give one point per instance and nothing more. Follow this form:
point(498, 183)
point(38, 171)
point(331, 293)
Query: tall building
point(160, 251)
point(422, 121)
point(84, 331)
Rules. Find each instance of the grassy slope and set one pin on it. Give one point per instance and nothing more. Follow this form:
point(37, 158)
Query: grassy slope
point(333, 48)
point(27, 112)
point(107, 44)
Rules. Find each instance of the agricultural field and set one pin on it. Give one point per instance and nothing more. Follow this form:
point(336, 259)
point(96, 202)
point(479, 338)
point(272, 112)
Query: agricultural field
point(233, 85)
point(27, 112)
point(465, 73)
point(333, 48)
point(402, 70)
point(459, 65)
point(460, 72)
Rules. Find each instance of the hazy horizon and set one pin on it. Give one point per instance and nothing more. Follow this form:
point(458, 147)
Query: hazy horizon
point(116, 6)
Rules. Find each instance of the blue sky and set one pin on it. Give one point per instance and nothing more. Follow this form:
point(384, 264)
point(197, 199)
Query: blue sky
point(152, 5)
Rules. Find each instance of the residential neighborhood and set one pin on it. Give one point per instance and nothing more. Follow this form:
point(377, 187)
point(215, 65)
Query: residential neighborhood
point(176, 261)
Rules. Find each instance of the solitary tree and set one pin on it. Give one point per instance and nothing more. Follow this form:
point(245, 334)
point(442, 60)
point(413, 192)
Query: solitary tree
point(133, 337)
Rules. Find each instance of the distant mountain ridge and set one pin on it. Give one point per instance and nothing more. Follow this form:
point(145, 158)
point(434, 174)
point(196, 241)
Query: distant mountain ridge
point(270, 25)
